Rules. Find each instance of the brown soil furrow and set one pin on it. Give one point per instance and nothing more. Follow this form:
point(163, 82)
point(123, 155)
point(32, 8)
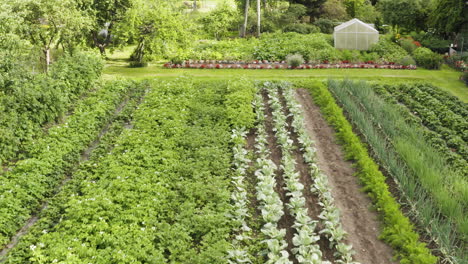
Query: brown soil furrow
point(358, 220)
point(287, 220)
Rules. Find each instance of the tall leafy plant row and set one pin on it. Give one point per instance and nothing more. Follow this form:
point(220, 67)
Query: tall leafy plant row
point(239, 105)
point(57, 205)
point(448, 122)
point(271, 205)
point(28, 101)
point(397, 228)
point(160, 195)
point(330, 214)
point(305, 240)
point(32, 180)
point(424, 179)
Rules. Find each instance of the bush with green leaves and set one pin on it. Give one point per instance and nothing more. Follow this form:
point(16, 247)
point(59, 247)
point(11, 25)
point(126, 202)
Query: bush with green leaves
point(325, 25)
point(28, 101)
point(301, 28)
point(408, 44)
point(428, 59)
point(294, 60)
point(276, 46)
point(406, 61)
point(388, 50)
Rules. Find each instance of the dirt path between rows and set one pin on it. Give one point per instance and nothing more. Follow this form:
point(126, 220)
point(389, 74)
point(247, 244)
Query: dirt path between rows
point(358, 220)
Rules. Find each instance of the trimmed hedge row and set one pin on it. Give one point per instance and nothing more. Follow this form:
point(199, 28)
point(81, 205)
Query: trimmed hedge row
point(398, 231)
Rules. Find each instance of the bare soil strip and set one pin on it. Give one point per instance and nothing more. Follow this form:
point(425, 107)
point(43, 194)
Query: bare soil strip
point(84, 157)
point(360, 223)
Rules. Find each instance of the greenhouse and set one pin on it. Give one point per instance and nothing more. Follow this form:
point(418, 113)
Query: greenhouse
point(355, 35)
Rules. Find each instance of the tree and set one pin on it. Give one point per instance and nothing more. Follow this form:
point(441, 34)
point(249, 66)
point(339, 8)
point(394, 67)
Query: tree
point(408, 14)
point(105, 13)
point(258, 17)
point(334, 10)
point(313, 7)
point(158, 30)
point(219, 21)
point(51, 22)
point(246, 16)
point(449, 16)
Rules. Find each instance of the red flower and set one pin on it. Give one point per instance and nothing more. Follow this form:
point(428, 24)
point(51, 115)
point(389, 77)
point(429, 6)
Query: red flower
point(203, 66)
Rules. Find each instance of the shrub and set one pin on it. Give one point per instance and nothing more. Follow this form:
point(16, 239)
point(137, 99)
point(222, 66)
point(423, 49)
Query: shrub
point(325, 25)
point(370, 56)
point(465, 77)
point(408, 60)
point(353, 56)
point(388, 50)
point(408, 44)
point(294, 60)
point(424, 57)
point(301, 28)
point(137, 64)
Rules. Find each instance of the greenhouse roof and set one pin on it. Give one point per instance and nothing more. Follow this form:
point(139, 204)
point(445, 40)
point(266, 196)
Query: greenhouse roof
point(352, 22)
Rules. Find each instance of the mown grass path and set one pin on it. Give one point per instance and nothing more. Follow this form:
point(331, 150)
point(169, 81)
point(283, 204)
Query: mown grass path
point(447, 78)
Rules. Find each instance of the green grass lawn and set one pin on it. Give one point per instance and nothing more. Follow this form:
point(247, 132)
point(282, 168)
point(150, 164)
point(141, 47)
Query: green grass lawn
point(447, 78)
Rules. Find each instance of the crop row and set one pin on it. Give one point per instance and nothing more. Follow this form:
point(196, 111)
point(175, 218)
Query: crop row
point(398, 231)
point(29, 102)
point(160, 195)
point(32, 180)
point(448, 123)
point(306, 238)
point(57, 205)
point(304, 242)
point(330, 214)
point(427, 183)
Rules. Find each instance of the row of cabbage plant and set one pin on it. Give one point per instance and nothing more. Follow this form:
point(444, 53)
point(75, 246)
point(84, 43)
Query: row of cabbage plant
point(329, 216)
point(270, 203)
point(239, 252)
point(306, 248)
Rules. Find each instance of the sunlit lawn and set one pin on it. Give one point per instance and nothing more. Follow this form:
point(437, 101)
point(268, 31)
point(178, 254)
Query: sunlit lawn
point(447, 78)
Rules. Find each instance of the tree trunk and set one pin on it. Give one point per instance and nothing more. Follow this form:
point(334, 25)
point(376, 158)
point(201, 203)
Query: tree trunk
point(102, 49)
point(246, 16)
point(47, 58)
point(194, 5)
point(258, 18)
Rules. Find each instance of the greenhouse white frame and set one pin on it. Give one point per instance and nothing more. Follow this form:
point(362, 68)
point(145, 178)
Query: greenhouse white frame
point(355, 35)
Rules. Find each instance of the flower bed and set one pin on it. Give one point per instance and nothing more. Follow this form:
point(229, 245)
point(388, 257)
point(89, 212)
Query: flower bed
point(212, 64)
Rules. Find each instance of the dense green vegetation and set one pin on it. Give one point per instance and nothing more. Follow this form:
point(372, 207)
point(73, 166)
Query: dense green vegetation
point(29, 101)
point(183, 122)
point(437, 192)
point(32, 180)
point(203, 168)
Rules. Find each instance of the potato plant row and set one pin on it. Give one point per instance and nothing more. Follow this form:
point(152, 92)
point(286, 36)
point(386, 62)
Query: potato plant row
point(161, 194)
point(31, 181)
point(57, 205)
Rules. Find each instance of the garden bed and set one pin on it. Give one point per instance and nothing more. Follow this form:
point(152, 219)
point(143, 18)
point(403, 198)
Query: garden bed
point(213, 64)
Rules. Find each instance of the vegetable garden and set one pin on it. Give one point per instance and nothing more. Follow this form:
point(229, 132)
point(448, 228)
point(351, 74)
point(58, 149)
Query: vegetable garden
point(189, 171)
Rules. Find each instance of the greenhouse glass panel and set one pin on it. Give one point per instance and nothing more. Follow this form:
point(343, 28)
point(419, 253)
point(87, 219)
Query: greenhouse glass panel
point(355, 34)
